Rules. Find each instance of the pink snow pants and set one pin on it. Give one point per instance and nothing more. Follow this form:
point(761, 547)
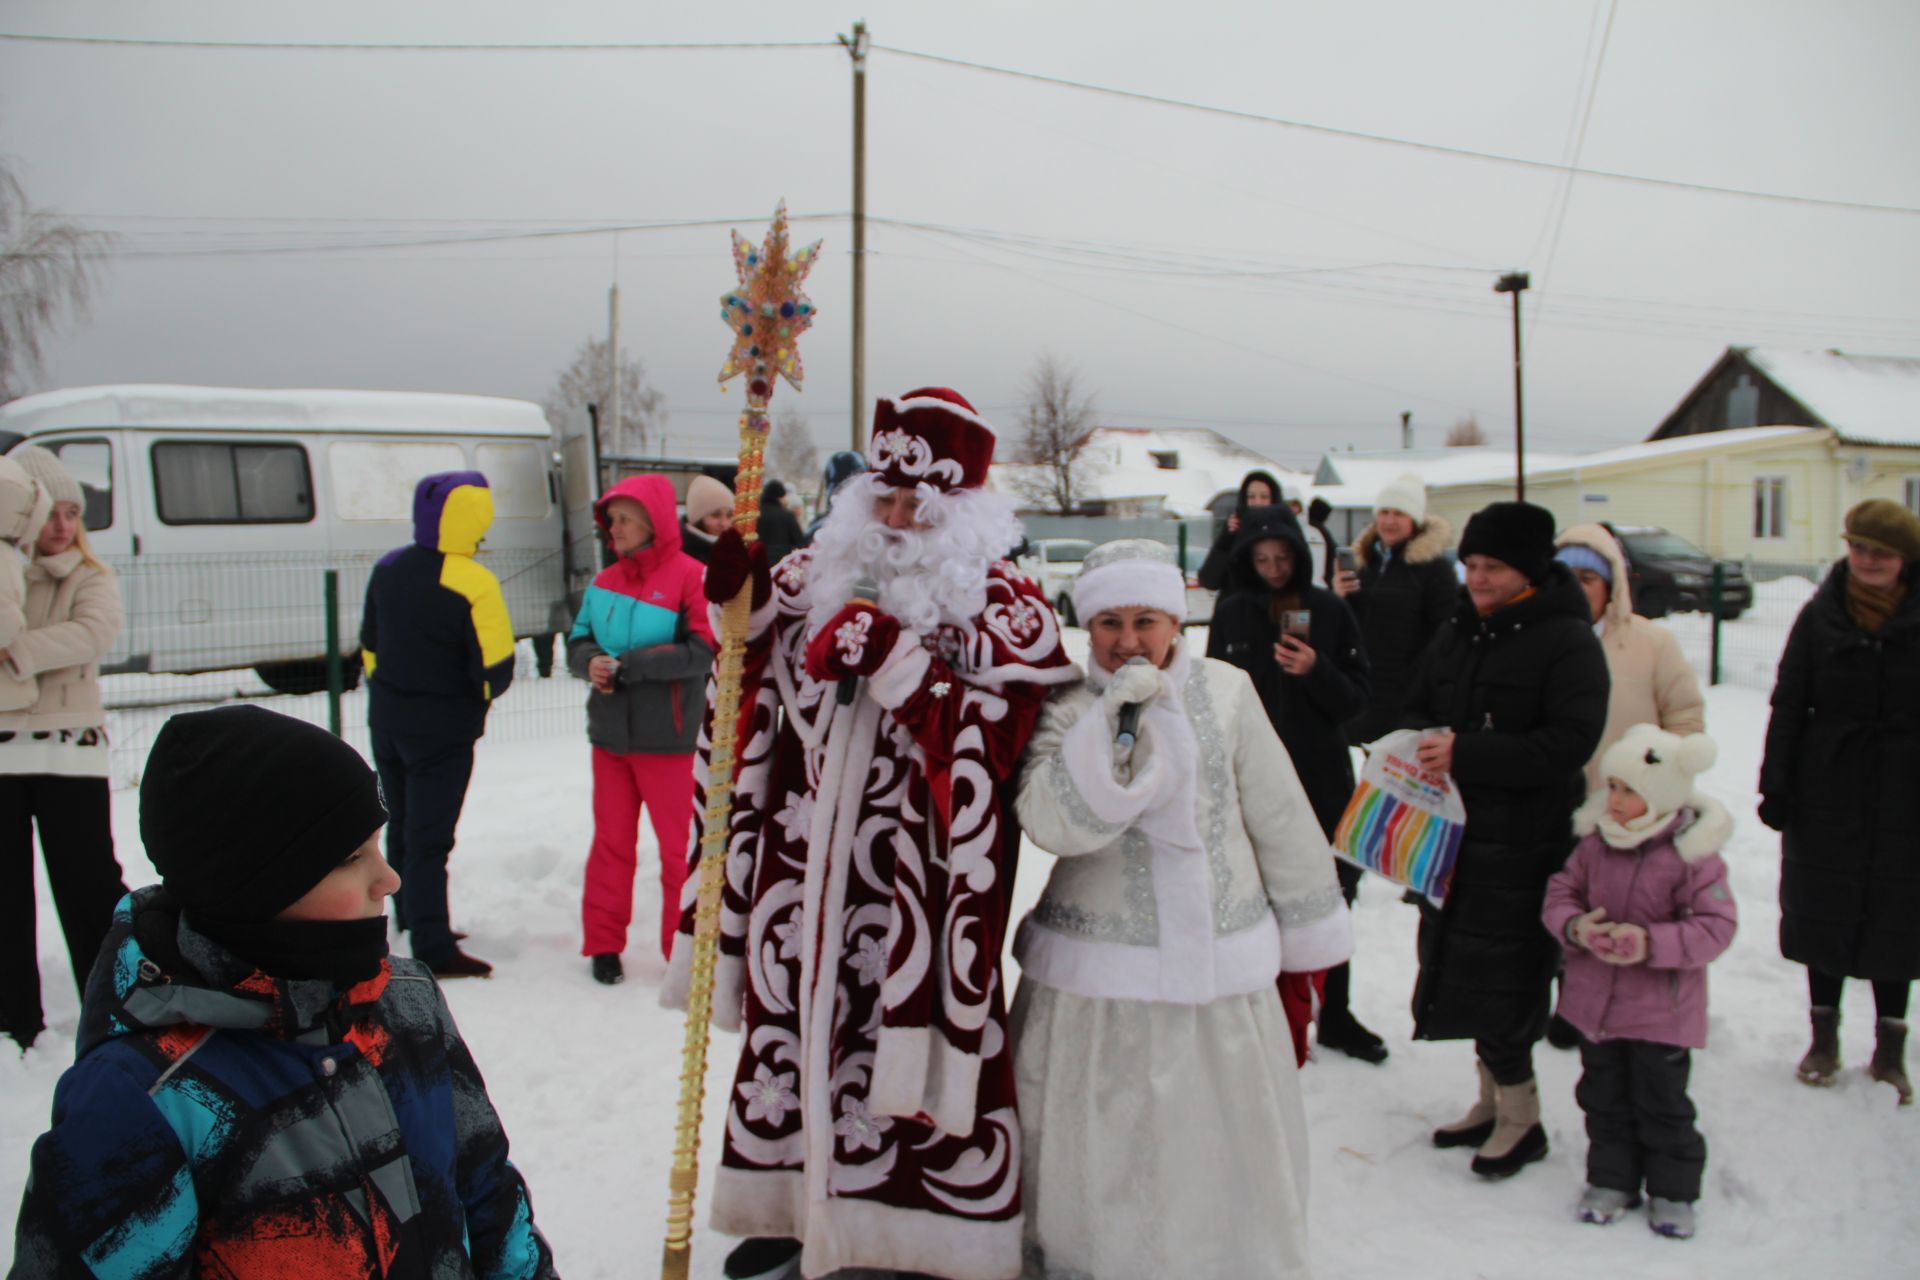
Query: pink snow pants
point(621, 784)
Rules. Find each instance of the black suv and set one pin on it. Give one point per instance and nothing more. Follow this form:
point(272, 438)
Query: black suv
point(1668, 574)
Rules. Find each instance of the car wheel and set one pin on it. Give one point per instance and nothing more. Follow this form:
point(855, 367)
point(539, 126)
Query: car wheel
point(1064, 607)
point(307, 677)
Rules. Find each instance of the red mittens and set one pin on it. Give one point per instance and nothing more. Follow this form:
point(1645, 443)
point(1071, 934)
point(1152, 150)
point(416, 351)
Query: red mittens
point(732, 563)
point(853, 643)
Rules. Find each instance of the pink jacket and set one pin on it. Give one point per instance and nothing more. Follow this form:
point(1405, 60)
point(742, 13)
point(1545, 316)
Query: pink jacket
point(1669, 880)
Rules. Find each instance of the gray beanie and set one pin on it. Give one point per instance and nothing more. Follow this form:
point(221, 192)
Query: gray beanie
point(45, 466)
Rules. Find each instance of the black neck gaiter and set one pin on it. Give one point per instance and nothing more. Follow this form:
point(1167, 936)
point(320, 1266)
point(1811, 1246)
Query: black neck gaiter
point(339, 951)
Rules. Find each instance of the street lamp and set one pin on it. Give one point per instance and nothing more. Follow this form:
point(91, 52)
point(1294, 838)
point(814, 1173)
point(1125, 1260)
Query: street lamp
point(1515, 283)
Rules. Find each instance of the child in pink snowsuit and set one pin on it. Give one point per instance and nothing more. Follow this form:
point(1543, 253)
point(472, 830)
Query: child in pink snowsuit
point(643, 640)
point(1643, 906)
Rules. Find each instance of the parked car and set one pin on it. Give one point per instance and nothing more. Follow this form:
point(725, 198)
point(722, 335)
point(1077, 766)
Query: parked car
point(1052, 562)
point(1668, 574)
point(1199, 599)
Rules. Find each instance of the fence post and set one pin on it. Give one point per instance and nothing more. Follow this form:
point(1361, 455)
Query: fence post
point(1713, 603)
point(336, 676)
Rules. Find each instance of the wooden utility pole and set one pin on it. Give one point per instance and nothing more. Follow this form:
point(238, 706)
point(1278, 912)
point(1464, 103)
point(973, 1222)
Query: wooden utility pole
point(856, 46)
point(1515, 283)
point(1406, 428)
point(613, 367)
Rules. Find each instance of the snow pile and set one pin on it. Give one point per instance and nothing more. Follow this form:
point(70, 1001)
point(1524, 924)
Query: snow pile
point(1799, 1182)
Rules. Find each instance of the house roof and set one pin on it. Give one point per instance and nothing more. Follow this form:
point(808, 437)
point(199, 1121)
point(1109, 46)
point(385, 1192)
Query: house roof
point(248, 409)
point(1124, 467)
point(1866, 399)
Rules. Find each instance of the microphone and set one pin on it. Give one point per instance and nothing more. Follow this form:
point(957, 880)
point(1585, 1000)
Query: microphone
point(864, 591)
point(1129, 714)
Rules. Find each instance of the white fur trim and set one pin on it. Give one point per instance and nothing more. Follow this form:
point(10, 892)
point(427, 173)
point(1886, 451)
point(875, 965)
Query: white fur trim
point(865, 1233)
point(757, 621)
point(1087, 752)
point(1135, 583)
point(759, 1202)
point(1309, 948)
point(1707, 834)
point(729, 983)
point(1699, 828)
point(1235, 965)
point(916, 1071)
point(900, 672)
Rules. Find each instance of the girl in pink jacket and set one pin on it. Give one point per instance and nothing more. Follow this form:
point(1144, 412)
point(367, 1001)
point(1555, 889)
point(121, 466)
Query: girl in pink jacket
point(1642, 907)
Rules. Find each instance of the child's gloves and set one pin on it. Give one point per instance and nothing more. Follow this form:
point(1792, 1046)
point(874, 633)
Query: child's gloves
point(1584, 930)
point(1626, 945)
point(732, 563)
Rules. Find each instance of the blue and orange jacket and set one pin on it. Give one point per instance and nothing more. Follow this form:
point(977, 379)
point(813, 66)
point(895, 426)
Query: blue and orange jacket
point(220, 1122)
point(649, 610)
point(435, 636)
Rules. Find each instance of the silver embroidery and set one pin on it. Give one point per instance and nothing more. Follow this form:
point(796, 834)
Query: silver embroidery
point(1138, 925)
point(1230, 915)
point(1295, 912)
point(1078, 811)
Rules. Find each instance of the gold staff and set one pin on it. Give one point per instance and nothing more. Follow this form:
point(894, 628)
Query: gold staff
point(767, 314)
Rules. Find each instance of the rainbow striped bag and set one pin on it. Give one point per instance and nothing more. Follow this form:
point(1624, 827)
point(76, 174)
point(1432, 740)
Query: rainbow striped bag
point(1403, 822)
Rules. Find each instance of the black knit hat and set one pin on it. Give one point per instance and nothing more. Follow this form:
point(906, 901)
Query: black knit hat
point(243, 810)
point(1515, 533)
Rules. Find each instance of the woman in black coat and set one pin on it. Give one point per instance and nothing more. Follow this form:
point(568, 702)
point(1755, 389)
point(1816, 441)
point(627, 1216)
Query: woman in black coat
point(1309, 687)
point(1257, 491)
point(1838, 783)
point(1519, 683)
point(1403, 591)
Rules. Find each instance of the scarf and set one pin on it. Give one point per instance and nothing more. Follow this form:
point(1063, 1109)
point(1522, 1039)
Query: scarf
point(1870, 607)
point(339, 951)
point(1528, 594)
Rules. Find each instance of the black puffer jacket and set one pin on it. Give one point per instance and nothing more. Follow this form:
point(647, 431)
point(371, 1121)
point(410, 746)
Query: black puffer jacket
point(1838, 781)
point(1525, 691)
point(1213, 570)
point(1403, 599)
point(1306, 711)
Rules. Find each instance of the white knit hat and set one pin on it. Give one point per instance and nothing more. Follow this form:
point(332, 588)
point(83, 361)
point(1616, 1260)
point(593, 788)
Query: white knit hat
point(1134, 573)
point(45, 466)
point(1404, 493)
point(1658, 765)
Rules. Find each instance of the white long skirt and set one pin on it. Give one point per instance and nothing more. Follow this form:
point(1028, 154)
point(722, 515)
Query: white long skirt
point(1159, 1140)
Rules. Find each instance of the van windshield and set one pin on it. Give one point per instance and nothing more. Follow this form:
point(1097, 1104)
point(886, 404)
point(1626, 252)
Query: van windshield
point(1661, 545)
point(1067, 552)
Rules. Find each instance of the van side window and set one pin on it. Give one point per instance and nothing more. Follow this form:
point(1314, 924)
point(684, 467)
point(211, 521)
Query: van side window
point(232, 483)
point(91, 463)
point(375, 479)
point(517, 474)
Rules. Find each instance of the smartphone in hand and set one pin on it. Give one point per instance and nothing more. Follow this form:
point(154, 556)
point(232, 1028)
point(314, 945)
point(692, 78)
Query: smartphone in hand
point(1297, 623)
point(1347, 562)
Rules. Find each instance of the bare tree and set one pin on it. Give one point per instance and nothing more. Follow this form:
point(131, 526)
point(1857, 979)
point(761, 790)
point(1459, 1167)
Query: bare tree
point(1465, 433)
point(588, 380)
point(791, 453)
point(1057, 424)
point(48, 269)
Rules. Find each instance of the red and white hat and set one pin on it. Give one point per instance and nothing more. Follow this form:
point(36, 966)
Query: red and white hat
point(930, 436)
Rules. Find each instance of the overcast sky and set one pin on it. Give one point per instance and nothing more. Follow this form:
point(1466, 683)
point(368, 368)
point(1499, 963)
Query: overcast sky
point(1294, 288)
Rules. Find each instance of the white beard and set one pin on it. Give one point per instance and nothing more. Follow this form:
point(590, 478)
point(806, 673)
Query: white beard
point(926, 576)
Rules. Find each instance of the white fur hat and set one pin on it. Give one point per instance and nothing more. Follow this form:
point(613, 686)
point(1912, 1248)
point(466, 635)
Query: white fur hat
point(1404, 493)
point(1658, 765)
point(1129, 573)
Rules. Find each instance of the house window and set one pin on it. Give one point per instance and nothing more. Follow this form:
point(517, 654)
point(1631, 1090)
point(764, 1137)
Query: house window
point(1165, 459)
point(1770, 506)
point(232, 483)
point(1913, 494)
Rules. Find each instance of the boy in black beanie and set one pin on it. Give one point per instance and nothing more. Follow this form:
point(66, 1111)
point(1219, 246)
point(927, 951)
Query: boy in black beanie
point(259, 1090)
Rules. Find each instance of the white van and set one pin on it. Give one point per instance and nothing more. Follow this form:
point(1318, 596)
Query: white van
point(221, 508)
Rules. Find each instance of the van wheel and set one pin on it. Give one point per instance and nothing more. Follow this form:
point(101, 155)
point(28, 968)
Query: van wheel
point(1064, 607)
point(307, 677)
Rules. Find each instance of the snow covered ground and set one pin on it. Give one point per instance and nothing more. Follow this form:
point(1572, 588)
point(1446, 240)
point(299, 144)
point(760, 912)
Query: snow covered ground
point(1799, 1182)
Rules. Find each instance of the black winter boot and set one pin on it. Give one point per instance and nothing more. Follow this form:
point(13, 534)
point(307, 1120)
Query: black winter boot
point(1822, 1063)
point(763, 1258)
point(1517, 1139)
point(607, 969)
point(1339, 1029)
point(1889, 1064)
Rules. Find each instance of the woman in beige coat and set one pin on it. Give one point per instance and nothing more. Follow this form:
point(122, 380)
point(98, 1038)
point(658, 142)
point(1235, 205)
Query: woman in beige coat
point(1652, 683)
point(53, 753)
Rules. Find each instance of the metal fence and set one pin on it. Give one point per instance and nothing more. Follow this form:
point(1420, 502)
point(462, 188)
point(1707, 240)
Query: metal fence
point(205, 630)
point(1745, 650)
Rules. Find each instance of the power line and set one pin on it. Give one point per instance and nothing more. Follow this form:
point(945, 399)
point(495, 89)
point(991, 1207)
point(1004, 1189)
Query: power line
point(349, 46)
point(1435, 148)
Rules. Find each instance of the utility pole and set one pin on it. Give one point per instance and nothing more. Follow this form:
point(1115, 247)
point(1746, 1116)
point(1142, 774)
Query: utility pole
point(1515, 283)
point(613, 365)
point(1406, 428)
point(856, 46)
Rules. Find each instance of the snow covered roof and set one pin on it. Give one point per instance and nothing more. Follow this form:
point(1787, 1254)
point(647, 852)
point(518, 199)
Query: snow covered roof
point(1186, 466)
point(248, 409)
point(1866, 399)
point(1352, 479)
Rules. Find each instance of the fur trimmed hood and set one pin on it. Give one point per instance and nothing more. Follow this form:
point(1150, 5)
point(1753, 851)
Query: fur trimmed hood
point(1430, 540)
point(1595, 538)
point(1699, 829)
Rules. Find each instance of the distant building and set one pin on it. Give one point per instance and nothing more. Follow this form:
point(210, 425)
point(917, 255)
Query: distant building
point(1138, 472)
